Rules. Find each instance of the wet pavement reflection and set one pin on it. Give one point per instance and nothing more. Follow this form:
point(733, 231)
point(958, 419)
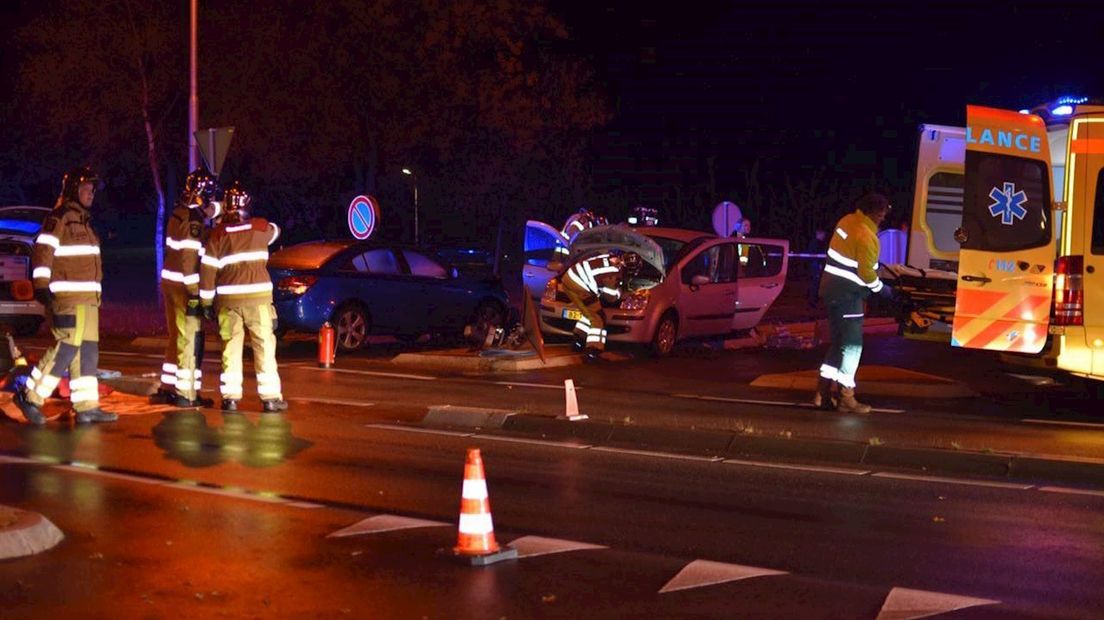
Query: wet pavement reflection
point(185, 436)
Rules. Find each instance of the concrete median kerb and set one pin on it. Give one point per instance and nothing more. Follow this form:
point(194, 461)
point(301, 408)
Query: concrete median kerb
point(876, 380)
point(24, 533)
point(1005, 466)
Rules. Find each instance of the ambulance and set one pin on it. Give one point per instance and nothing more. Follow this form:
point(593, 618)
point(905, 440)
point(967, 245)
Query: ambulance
point(1012, 208)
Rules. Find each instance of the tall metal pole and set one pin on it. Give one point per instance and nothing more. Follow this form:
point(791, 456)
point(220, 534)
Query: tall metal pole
point(193, 98)
point(415, 211)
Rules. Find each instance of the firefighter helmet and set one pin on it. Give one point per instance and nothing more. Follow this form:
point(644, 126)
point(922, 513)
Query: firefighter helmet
point(631, 262)
point(237, 203)
point(72, 181)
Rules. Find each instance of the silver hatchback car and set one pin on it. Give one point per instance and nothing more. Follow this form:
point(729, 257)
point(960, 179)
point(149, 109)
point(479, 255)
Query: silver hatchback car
point(712, 286)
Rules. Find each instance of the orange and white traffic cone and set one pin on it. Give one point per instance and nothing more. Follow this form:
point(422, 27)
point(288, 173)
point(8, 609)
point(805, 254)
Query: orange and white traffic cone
point(475, 542)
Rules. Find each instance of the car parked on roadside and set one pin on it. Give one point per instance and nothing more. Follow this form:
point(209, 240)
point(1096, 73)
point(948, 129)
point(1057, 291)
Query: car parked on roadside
point(366, 288)
point(19, 312)
point(709, 286)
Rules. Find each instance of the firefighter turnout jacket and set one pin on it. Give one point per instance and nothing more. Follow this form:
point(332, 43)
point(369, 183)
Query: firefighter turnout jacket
point(66, 257)
point(853, 257)
point(183, 248)
point(595, 276)
point(233, 269)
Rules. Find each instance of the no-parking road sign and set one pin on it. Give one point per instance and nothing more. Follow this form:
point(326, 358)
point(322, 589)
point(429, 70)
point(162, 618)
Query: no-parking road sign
point(364, 213)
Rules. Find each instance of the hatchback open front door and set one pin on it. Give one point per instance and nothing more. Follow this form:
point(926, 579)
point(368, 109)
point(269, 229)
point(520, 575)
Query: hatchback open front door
point(1006, 264)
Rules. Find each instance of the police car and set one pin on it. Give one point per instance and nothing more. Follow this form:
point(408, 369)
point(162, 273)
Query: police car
point(19, 312)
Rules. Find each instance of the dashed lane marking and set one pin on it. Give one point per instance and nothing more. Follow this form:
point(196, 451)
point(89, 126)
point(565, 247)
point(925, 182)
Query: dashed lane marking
point(532, 546)
point(700, 573)
point(533, 385)
point(770, 403)
point(415, 429)
point(331, 401)
point(384, 523)
point(1065, 423)
point(905, 604)
point(814, 468)
point(963, 481)
point(129, 354)
point(662, 455)
point(1072, 491)
point(535, 442)
point(372, 373)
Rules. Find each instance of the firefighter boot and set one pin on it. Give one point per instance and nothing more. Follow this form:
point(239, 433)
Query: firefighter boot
point(848, 404)
point(95, 414)
point(274, 405)
point(824, 399)
point(30, 410)
point(229, 404)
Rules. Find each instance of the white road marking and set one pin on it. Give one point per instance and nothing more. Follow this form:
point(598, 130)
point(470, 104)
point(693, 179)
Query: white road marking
point(772, 403)
point(1072, 491)
point(240, 494)
point(331, 401)
point(813, 468)
point(701, 573)
point(532, 546)
point(662, 455)
point(533, 385)
point(1096, 425)
point(128, 354)
point(535, 442)
point(384, 523)
point(16, 459)
point(307, 505)
point(415, 429)
point(373, 373)
point(905, 604)
point(963, 481)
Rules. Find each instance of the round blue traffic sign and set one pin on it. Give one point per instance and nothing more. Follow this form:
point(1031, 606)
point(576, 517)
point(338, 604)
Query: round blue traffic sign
point(363, 216)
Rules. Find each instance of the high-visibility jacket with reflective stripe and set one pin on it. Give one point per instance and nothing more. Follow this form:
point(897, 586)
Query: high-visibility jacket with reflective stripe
point(852, 259)
point(66, 257)
point(184, 239)
point(594, 276)
point(233, 269)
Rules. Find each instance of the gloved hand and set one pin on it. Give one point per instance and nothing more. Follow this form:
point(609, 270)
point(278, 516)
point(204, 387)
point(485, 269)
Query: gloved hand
point(194, 308)
point(209, 313)
point(44, 296)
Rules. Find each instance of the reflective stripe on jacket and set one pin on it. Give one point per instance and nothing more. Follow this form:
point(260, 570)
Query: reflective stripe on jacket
point(184, 237)
point(595, 276)
point(853, 252)
point(233, 269)
point(66, 257)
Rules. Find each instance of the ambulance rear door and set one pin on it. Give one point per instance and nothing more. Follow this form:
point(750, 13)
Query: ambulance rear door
point(937, 201)
point(1006, 262)
point(1083, 243)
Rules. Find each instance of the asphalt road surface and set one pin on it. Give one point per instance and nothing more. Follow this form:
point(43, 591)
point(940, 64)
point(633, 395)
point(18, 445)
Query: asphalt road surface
point(206, 515)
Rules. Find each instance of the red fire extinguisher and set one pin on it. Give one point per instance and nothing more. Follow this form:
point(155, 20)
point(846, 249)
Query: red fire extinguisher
point(326, 345)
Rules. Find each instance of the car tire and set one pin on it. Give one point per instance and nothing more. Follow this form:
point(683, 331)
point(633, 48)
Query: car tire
point(352, 324)
point(666, 335)
point(490, 312)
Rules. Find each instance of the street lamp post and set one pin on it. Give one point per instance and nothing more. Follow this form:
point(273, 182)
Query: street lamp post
point(414, 177)
point(193, 94)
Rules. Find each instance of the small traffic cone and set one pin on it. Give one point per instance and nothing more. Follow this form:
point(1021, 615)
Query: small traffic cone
point(475, 543)
point(571, 405)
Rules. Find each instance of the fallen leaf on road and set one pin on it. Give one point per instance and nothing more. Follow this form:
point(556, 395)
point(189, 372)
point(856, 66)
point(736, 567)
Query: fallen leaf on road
point(938, 519)
point(548, 598)
point(96, 556)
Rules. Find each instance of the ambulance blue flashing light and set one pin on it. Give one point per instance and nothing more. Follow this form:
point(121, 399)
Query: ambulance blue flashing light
point(1062, 110)
point(1072, 100)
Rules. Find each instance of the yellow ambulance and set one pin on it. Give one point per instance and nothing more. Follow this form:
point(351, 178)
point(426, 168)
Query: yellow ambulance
point(1013, 205)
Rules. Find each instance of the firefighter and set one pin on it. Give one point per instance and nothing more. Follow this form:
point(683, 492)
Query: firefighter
point(234, 278)
point(850, 276)
point(67, 273)
point(185, 233)
point(580, 221)
point(588, 284)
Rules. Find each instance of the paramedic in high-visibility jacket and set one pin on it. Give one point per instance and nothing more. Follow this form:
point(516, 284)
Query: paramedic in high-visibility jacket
point(850, 276)
point(234, 279)
point(590, 282)
point(67, 272)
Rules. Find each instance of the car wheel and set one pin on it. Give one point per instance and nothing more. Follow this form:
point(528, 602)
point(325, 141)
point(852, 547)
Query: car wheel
point(666, 335)
point(351, 327)
point(490, 313)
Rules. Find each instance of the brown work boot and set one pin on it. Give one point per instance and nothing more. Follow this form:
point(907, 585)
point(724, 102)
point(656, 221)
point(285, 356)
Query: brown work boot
point(823, 399)
point(848, 404)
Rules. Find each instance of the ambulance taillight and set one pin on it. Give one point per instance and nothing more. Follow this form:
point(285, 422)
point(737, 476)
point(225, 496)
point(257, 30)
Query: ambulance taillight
point(1069, 296)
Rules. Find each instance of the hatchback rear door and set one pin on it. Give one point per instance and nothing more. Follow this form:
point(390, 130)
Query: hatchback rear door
point(761, 274)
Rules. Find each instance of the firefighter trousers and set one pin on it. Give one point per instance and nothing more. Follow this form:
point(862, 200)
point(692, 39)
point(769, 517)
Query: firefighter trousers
point(590, 329)
point(260, 322)
point(182, 370)
point(845, 326)
point(76, 330)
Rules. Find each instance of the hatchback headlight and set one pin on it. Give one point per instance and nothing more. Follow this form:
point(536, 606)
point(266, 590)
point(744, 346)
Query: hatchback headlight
point(636, 301)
